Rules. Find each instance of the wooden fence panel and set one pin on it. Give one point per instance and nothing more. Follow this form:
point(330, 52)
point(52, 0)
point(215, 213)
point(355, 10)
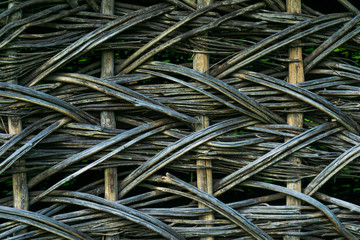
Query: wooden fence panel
point(179, 119)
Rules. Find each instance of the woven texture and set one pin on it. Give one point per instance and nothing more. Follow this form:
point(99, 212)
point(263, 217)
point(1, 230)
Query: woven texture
point(164, 125)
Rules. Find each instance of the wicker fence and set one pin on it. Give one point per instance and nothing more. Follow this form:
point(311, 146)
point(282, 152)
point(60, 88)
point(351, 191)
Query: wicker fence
point(179, 119)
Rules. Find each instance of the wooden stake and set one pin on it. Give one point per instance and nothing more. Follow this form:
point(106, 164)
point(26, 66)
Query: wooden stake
point(204, 172)
point(108, 117)
point(19, 179)
point(296, 75)
point(20, 190)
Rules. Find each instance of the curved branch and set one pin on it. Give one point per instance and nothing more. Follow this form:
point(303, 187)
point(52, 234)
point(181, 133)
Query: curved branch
point(328, 213)
point(275, 155)
point(43, 222)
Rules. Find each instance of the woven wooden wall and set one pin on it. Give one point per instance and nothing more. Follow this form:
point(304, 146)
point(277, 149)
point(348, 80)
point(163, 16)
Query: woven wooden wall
point(179, 119)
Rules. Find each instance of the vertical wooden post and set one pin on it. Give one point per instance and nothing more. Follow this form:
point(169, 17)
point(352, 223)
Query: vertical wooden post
point(19, 179)
point(296, 75)
point(108, 117)
point(20, 189)
point(204, 172)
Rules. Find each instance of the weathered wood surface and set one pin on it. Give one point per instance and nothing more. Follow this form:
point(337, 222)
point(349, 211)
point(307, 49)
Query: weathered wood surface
point(133, 91)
